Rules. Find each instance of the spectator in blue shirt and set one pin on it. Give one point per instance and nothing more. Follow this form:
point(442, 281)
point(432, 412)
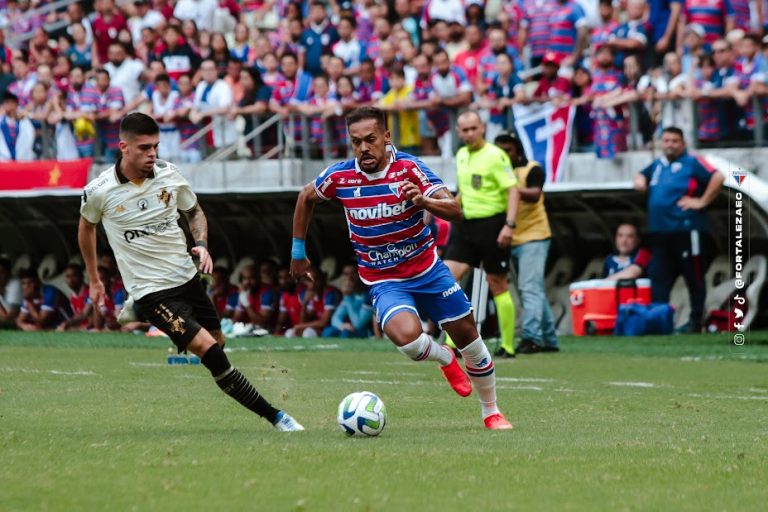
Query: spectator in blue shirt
point(317, 40)
point(630, 261)
point(353, 316)
point(44, 307)
point(679, 187)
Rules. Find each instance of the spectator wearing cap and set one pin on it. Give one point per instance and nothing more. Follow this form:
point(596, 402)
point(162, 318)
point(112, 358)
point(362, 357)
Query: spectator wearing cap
point(200, 11)
point(631, 37)
point(348, 48)
point(552, 87)
point(663, 18)
point(106, 27)
point(145, 17)
point(213, 99)
point(317, 39)
point(610, 128)
point(125, 72)
point(568, 32)
point(535, 29)
point(692, 47)
point(25, 77)
point(17, 134)
point(716, 16)
point(178, 56)
point(109, 111)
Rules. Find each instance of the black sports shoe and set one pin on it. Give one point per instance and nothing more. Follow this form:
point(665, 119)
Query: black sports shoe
point(502, 353)
point(550, 348)
point(527, 347)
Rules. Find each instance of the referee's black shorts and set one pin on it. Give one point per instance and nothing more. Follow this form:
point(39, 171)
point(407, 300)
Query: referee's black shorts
point(474, 242)
point(180, 312)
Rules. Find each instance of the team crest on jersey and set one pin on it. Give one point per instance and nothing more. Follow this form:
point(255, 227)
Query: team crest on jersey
point(676, 167)
point(165, 197)
point(356, 192)
point(142, 204)
point(120, 209)
point(395, 188)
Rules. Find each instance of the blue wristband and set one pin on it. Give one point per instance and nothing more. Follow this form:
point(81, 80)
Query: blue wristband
point(298, 251)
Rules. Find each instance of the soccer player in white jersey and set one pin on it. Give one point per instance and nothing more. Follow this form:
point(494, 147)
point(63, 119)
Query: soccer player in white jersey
point(385, 194)
point(138, 201)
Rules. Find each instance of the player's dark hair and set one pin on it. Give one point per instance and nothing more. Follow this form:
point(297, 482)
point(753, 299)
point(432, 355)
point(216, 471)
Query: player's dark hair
point(363, 113)
point(674, 129)
point(163, 77)
point(29, 273)
point(137, 123)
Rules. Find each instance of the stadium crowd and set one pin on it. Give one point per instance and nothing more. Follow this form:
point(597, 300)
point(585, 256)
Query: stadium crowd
point(69, 75)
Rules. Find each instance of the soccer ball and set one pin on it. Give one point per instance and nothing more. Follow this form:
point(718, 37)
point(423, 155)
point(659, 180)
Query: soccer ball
point(362, 414)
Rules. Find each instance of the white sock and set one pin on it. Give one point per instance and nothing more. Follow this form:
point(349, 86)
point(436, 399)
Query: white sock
point(424, 349)
point(479, 366)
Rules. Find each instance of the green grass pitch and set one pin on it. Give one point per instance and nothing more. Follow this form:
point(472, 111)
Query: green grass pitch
point(100, 422)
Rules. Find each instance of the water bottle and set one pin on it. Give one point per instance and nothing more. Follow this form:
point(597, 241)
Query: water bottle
point(177, 359)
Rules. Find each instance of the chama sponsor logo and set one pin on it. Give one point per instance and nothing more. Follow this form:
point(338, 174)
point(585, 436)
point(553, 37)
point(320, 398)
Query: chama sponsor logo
point(380, 211)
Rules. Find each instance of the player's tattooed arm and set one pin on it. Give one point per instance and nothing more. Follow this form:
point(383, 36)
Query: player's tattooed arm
point(441, 203)
point(198, 226)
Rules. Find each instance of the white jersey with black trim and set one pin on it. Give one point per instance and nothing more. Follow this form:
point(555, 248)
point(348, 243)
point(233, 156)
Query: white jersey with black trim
point(141, 222)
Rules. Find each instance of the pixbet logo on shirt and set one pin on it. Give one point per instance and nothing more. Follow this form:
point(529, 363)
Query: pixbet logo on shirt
point(380, 211)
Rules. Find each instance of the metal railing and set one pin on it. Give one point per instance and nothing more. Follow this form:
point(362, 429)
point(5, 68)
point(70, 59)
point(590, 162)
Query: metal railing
point(16, 39)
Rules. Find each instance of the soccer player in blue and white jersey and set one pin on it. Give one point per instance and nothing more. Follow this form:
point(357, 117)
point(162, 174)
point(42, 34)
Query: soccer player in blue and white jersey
point(385, 194)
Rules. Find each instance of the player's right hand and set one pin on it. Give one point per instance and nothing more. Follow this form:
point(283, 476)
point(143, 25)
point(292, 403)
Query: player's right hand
point(299, 269)
point(97, 293)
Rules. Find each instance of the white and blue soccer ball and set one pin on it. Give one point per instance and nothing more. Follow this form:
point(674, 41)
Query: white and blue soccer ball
point(362, 414)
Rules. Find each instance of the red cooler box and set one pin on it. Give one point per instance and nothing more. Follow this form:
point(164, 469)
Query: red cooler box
point(595, 303)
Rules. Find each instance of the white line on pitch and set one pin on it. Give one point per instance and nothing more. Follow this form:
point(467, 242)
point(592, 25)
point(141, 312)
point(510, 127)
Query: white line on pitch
point(523, 379)
point(727, 397)
point(633, 384)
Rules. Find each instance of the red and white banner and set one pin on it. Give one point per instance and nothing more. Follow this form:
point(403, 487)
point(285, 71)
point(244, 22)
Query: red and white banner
point(44, 174)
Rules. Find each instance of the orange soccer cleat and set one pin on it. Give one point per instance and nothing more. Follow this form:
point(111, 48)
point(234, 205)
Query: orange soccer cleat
point(456, 377)
point(497, 422)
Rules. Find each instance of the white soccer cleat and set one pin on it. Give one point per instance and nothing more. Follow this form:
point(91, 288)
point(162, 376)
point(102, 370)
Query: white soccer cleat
point(127, 314)
point(285, 423)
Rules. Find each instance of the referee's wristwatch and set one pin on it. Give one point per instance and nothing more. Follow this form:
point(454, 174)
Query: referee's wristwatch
point(510, 224)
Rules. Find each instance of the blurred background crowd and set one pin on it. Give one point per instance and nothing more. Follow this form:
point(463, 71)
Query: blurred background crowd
point(71, 70)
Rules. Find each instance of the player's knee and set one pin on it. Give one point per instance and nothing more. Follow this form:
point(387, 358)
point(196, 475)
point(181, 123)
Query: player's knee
point(201, 342)
point(497, 284)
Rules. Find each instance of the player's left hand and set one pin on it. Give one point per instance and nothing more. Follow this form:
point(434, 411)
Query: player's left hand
point(413, 193)
point(690, 203)
point(206, 262)
point(504, 239)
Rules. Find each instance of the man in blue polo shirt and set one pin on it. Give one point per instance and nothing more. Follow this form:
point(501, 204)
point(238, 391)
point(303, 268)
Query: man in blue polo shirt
point(679, 187)
point(317, 39)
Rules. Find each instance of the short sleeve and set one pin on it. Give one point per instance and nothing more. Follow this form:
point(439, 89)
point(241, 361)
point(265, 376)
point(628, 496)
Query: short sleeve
point(325, 185)
point(536, 178)
point(702, 171)
point(331, 299)
point(13, 293)
point(648, 171)
point(422, 176)
point(642, 258)
point(90, 206)
point(503, 172)
point(50, 296)
point(607, 265)
point(185, 198)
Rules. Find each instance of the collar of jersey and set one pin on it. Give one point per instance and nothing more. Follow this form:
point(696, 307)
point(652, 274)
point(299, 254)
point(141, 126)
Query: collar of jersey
point(121, 177)
point(378, 175)
point(666, 162)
